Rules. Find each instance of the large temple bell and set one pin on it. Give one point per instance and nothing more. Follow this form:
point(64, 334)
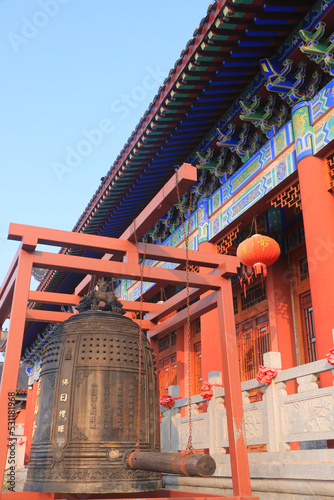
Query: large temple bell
point(85, 432)
point(86, 410)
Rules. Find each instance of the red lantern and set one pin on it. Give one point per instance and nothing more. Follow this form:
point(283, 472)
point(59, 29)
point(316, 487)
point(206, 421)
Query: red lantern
point(258, 251)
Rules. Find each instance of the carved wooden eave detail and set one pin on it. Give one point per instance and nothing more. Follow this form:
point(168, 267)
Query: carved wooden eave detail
point(267, 118)
point(291, 86)
point(318, 47)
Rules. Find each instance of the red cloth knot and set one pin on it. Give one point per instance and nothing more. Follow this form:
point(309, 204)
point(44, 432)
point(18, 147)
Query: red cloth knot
point(330, 356)
point(265, 375)
point(167, 401)
point(206, 391)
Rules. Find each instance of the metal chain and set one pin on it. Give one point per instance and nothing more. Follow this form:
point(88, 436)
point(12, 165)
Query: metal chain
point(190, 448)
point(92, 284)
point(141, 268)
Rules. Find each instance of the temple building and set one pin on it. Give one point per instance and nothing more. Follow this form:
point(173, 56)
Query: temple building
point(250, 104)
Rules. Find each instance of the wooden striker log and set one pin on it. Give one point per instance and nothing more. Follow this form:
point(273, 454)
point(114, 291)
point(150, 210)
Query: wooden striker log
point(172, 463)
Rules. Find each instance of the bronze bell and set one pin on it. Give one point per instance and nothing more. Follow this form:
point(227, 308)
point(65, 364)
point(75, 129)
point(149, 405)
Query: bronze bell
point(86, 411)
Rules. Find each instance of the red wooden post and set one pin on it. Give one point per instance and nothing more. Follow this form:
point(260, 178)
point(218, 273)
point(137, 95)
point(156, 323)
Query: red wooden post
point(13, 350)
point(210, 331)
point(233, 397)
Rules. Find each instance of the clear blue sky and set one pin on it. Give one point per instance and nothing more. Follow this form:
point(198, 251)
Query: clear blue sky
point(77, 75)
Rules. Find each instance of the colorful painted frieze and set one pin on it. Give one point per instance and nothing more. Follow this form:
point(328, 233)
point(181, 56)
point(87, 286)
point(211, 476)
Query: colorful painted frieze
point(203, 220)
point(303, 130)
point(260, 186)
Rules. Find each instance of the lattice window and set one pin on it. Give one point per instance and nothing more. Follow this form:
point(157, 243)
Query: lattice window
point(253, 341)
point(163, 343)
point(167, 373)
point(255, 294)
point(196, 326)
point(235, 304)
point(173, 338)
point(303, 269)
point(290, 197)
point(228, 240)
point(308, 328)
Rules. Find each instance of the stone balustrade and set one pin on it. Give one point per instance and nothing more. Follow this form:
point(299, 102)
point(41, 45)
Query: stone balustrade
point(290, 429)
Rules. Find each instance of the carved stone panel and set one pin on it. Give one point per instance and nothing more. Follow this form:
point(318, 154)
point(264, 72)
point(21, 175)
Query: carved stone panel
point(309, 415)
point(253, 424)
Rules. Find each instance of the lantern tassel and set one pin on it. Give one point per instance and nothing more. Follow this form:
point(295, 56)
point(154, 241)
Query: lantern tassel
point(261, 269)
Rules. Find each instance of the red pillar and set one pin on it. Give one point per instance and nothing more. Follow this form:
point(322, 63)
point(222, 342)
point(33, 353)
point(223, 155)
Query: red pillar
point(211, 344)
point(13, 349)
point(281, 328)
point(233, 397)
point(29, 418)
point(318, 215)
point(210, 331)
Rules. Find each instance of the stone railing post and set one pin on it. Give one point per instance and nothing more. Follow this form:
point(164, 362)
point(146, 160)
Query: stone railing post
point(175, 422)
point(271, 394)
point(215, 416)
point(165, 425)
point(307, 383)
point(195, 408)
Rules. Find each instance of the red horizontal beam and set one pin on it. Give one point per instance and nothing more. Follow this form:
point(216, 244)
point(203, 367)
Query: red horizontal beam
point(196, 310)
point(175, 302)
point(197, 258)
point(47, 316)
point(133, 305)
point(53, 298)
point(123, 270)
point(32, 235)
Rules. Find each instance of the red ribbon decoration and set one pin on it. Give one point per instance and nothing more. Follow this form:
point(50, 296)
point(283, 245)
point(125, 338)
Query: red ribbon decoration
point(265, 375)
point(167, 401)
point(206, 391)
point(330, 356)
